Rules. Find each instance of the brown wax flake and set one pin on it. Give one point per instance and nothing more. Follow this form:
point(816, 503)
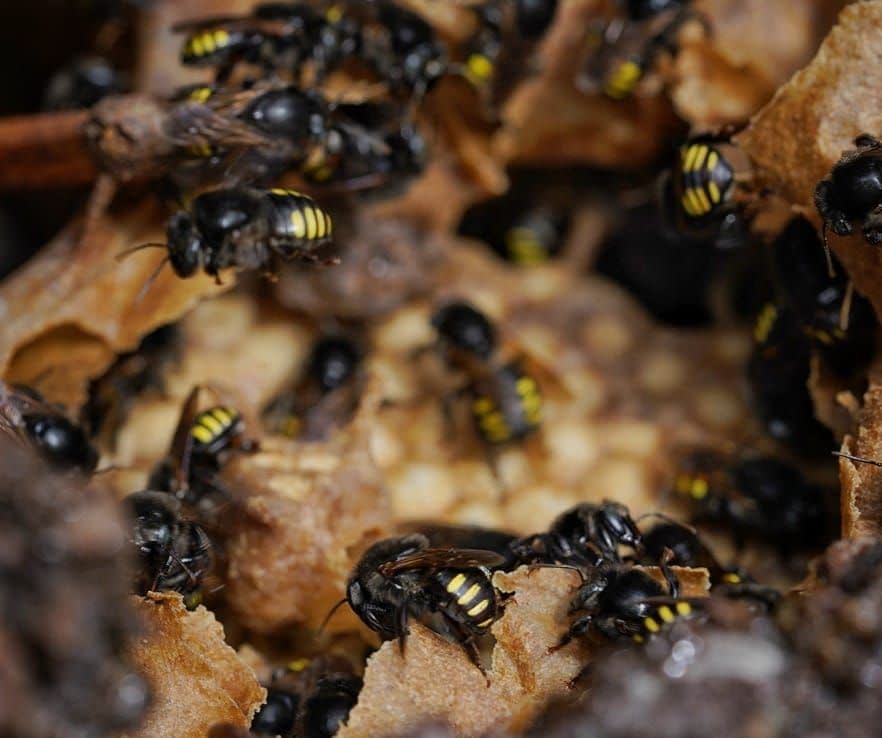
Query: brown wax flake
point(197, 679)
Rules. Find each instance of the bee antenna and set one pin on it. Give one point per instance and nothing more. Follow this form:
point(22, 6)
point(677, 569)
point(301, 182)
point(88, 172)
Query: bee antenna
point(831, 272)
point(128, 252)
point(150, 280)
point(845, 310)
point(859, 459)
point(330, 614)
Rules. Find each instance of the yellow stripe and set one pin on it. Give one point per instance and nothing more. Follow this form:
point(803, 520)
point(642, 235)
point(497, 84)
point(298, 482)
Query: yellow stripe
point(212, 424)
point(311, 223)
point(298, 224)
point(224, 415)
point(731, 578)
point(487, 622)
point(688, 157)
point(666, 614)
point(329, 225)
point(525, 386)
point(200, 94)
point(651, 625)
point(195, 46)
point(684, 608)
point(298, 664)
point(454, 584)
point(203, 435)
point(699, 159)
point(334, 14)
point(699, 488)
point(686, 203)
point(702, 199)
point(712, 161)
point(221, 37)
point(714, 192)
point(479, 608)
point(470, 594)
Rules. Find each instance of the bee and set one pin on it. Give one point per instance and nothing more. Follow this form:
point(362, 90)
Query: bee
point(61, 442)
point(272, 36)
point(175, 554)
point(112, 394)
point(689, 550)
point(311, 698)
point(841, 326)
point(756, 497)
point(533, 17)
point(521, 232)
point(506, 402)
point(202, 443)
point(82, 83)
point(326, 394)
point(626, 602)
point(629, 46)
point(401, 578)
point(277, 715)
point(585, 535)
point(245, 228)
point(852, 192)
point(777, 374)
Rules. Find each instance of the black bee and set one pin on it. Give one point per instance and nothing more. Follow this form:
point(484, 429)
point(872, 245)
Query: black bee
point(402, 578)
point(407, 55)
point(112, 394)
point(174, 554)
point(245, 228)
point(777, 373)
point(326, 709)
point(506, 401)
point(310, 698)
point(840, 325)
point(60, 441)
point(277, 715)
point(625, 602)
point(685, 548)
point(273, 35)
point(521, 232)
point(758, 497)
point(585, 535)
point(533, 17)
point(440, 535)
point(201, 444)
point(82, 83)
point(630, 46)
point(323, 397)
point(852, 192)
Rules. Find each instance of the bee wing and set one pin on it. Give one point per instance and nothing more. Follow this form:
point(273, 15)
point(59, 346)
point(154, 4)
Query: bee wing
point(182, 441)
point(442, 558)
point(194, 124)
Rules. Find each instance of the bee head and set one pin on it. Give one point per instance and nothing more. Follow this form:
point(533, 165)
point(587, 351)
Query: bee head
point(184, 244)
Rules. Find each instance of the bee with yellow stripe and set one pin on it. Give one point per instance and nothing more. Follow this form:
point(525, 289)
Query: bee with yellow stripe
point(623, 78)
point(625, 601)
point(246, 228)
point(704, 179)
point(201, 444)
point(506, 401)
point(401, 578)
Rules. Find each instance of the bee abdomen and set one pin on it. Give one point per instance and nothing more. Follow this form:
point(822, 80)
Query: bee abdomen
point(663, 616)
point(623, 79)
point(202, 45)
point(472, 594)
point(705, 179)
point(301, 217)
point(213, 426)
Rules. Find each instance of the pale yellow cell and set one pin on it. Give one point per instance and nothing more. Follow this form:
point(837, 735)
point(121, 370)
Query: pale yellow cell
point(587, 391)
point(717, 407)
point(533, 509)
point(539, 283)
point(607, 337)
point(408, 329)
point(387, 448)
point(631, 437)
point(513, 468)
point(477, 513)
point(662, 372)
point(623, 480)
point(420, 490)
point(732, 348)
point(572, 448)
point(476, 481)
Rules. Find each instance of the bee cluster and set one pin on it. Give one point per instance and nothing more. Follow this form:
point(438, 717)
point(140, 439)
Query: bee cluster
point(443, 398)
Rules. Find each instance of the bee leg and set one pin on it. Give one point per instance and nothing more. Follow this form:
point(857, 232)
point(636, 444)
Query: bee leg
point(578, 628)
point(670, 578)
point(872, 228)
point(403, 630)
point(466, 639)
point(867, 141)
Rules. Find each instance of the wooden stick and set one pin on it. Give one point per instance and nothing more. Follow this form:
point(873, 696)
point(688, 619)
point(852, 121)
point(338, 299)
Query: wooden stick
point(45, 150)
